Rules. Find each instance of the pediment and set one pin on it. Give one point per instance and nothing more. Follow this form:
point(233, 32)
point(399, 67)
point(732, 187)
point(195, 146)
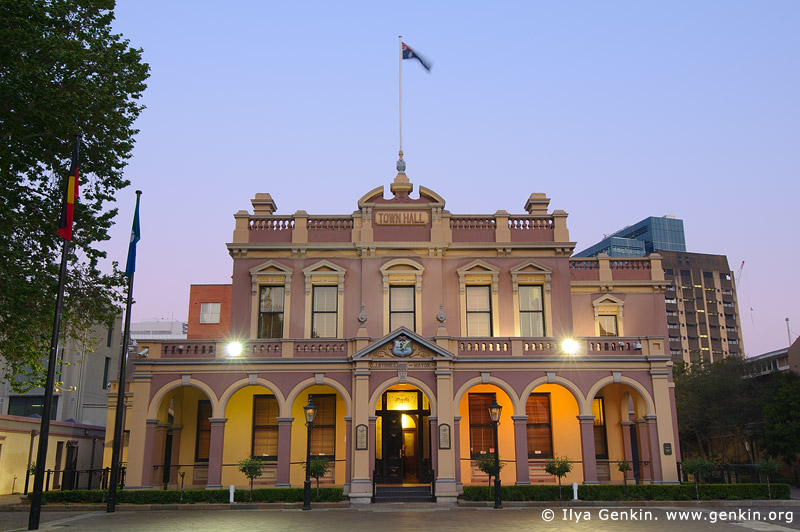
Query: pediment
point(371, 196)
point(411, 347)
point(532, 270)
point(531, 266)
point(608, 299)
point(271, 267)
point(478, 267)
point(324, 267)
point(402, 266)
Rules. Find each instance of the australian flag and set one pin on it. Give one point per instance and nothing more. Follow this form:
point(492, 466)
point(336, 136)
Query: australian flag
point(408, 53)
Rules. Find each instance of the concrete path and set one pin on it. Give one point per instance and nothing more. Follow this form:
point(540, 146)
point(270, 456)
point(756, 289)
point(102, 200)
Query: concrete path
point(405, 517)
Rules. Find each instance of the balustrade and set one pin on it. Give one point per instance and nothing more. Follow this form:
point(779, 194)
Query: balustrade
point(330, 223)
point(320, 347)
point(528, 223)
point(273, 223)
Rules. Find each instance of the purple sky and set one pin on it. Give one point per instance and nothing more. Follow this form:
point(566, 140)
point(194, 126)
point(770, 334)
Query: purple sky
point(616, 110)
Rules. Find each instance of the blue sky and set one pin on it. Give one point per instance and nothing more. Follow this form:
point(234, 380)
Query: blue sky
point(616, 110)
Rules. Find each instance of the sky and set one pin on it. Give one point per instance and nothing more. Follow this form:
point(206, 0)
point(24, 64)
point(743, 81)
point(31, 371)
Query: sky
point(616, 110)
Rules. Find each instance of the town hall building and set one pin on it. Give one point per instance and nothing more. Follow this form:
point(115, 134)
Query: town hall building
point(403, 322)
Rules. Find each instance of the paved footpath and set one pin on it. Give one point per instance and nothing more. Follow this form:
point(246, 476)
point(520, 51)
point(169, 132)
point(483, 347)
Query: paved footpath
point(378, 518)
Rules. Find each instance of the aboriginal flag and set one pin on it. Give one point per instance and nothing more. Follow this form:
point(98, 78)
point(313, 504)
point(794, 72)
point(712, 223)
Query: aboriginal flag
point(70, 195)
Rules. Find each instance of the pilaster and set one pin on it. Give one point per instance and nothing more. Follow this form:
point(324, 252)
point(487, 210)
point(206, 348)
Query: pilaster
point(587, 449)
point(521, 448)
point(215, 452)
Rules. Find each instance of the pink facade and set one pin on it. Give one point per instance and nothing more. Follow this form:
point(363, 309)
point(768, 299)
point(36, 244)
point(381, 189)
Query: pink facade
point(403, 319)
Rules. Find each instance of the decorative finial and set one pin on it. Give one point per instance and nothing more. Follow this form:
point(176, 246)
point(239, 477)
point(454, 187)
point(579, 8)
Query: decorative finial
point(401, 164)
point(441, 317)
point(362, 316)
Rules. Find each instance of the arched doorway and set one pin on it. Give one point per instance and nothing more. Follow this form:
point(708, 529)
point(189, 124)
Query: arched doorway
point(476, 433)
point(182, 439)
point(621, 433)
point(552, 430)
point(402, 436)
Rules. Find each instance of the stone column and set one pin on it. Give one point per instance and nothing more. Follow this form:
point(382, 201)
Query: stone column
point(348, 451)
point(655, 451)
point(284, 452)
point(149, 451)
point(627, 446)
point(521, 448)
point(215, 452)
point(448, 459)
point(435, 444)
point(644, 451)
point(587, 449)
point(363, 461)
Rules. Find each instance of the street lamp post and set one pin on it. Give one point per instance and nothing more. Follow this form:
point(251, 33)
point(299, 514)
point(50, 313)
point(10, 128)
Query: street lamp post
point(494, 413)
point(310, 411)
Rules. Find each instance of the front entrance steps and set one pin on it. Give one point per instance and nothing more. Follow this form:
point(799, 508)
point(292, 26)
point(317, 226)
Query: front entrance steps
point(398, 493)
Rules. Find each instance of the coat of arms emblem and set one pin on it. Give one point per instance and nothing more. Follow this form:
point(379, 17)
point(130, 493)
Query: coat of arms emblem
point(402, 346)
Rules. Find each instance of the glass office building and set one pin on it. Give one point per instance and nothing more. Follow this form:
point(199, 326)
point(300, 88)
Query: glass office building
point(641, 239)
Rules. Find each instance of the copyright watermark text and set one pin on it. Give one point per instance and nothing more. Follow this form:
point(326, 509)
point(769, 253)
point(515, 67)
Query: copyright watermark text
point(577, 515)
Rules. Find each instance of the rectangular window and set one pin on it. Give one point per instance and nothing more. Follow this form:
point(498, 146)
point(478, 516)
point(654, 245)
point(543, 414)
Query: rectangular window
point(265, 427)
point(540, 428)
point(608, 325)
point(323, 435)
point(323, 315)
point(479, 311)
point(270, 312)
point(110, 336)
point(600, 441)
point(480, 424)
point(30, 405)
point(401, 307)
point(105, 373)
point(209, 312)
point(531, 311)
point(203, 443)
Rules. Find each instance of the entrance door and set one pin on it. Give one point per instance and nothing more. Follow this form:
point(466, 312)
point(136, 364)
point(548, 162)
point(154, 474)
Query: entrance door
point(410, 459)
point(393, 447)
point(68, 483)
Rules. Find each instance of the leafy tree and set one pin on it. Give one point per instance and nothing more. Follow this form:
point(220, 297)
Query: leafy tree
point(62, 72)
point(768, 467)
point(697, 467)
point(781, 428)
point(318, 467)
point(624, 466)
point(716, 406)
point(558, 466)
point(252, 469)
point(485, 463)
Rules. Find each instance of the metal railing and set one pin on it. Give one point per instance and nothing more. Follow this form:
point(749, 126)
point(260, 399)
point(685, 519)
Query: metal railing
point(70, 479)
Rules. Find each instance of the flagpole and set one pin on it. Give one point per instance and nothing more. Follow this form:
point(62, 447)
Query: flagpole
point(400, 89)
point(120, 408)
point(44, 429)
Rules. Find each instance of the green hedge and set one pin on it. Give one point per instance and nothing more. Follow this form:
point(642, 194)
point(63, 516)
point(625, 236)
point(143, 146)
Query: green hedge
point(191, 496)
point(634, 492)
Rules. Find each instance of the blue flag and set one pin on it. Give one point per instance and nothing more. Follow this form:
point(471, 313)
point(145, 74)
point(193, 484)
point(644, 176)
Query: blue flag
point(135, 237)
point(408, 53)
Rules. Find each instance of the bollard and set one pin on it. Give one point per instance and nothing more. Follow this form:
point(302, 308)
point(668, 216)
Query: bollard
point(231, 489)
point(574, 491)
